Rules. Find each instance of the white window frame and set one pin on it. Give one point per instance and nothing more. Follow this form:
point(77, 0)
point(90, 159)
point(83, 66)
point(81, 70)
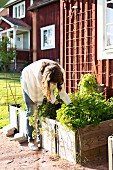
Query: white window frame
point(19, 6)
point(50, 39)
point(102, 51)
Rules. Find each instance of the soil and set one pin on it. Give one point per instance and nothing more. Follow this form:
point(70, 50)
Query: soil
point(15, 156)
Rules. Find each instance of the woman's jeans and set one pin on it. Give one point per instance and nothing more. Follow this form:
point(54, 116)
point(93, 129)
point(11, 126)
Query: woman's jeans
point(31, 108)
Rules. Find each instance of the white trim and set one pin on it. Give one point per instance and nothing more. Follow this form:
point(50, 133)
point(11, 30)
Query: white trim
point(19, 5)
point(102, 52)
point(5, 31)
point(14, 37)
point(110, 152)
point(28, 39)
point(11, 2)
point(31, 2)
point(100, 30)
point(50, 39)
point(2, 18)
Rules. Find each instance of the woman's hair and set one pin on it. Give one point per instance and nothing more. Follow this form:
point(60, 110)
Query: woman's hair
point(51, 72)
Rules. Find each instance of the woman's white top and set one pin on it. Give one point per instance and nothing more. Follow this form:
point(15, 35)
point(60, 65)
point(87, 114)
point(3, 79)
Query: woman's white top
point(31, 83)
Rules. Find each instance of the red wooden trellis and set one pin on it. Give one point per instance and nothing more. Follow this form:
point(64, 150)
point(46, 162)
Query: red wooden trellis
point(79, 41)
point(78, 45)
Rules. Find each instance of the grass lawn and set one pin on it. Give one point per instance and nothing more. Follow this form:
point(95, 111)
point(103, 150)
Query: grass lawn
point(10, 93)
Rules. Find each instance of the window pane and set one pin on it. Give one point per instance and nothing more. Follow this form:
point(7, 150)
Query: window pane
point(22, 9)
point(109, 30)
point(45, 38)
point(15, 12)
point(109, 13)
point(109, 24)
point(18, 11)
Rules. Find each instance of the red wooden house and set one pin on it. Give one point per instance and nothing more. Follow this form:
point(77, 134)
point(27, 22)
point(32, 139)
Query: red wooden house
point(78, 33)
point(24, 29)
point(83, 36)
point(17, 25)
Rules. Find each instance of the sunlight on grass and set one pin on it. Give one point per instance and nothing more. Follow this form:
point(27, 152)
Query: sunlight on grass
point(10, 93)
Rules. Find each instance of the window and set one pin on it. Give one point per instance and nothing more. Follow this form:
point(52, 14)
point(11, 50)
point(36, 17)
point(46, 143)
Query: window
point(109, 25)
point(48, 37)
point(19, 41)
point(105, 29)
point(19, 10)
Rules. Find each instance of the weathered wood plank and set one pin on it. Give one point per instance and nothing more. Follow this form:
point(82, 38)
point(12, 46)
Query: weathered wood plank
point(93, 137)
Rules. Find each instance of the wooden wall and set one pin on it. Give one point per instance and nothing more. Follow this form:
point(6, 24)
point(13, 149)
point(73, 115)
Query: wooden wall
point(45, 16)
point(78, 50)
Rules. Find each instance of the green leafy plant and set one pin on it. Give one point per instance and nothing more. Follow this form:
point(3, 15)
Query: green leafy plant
point(47, 109)
point(7, 53)
point(87, 106)
point(88, 84)
point(85, 110)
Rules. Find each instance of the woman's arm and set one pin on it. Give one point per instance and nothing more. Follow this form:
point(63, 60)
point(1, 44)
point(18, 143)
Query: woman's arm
point(64, 96)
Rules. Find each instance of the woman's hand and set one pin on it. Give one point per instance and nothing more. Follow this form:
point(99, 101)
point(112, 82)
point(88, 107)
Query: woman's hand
point(56, 102)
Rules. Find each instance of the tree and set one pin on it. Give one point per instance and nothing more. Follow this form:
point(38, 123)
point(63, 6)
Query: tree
point(7, 53)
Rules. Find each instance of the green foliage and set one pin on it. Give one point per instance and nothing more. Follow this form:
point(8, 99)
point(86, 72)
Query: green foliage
point(87, 107)
point(85, 110)
point(88, 84)
point(47, 109)
point(7, 53)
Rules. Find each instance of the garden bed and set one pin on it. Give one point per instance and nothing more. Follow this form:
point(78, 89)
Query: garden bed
point(85, 144)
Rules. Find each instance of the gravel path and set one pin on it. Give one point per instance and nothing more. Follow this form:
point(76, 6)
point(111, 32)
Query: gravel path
point(14, 156)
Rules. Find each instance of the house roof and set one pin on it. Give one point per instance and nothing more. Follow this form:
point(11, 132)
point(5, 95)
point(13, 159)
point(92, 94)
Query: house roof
point(39, 3)
point(15, 22)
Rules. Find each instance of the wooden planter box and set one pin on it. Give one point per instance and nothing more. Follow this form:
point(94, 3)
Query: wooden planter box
point(85, 144)
point(92, 142)
point(48, 135)
point(66, 143)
